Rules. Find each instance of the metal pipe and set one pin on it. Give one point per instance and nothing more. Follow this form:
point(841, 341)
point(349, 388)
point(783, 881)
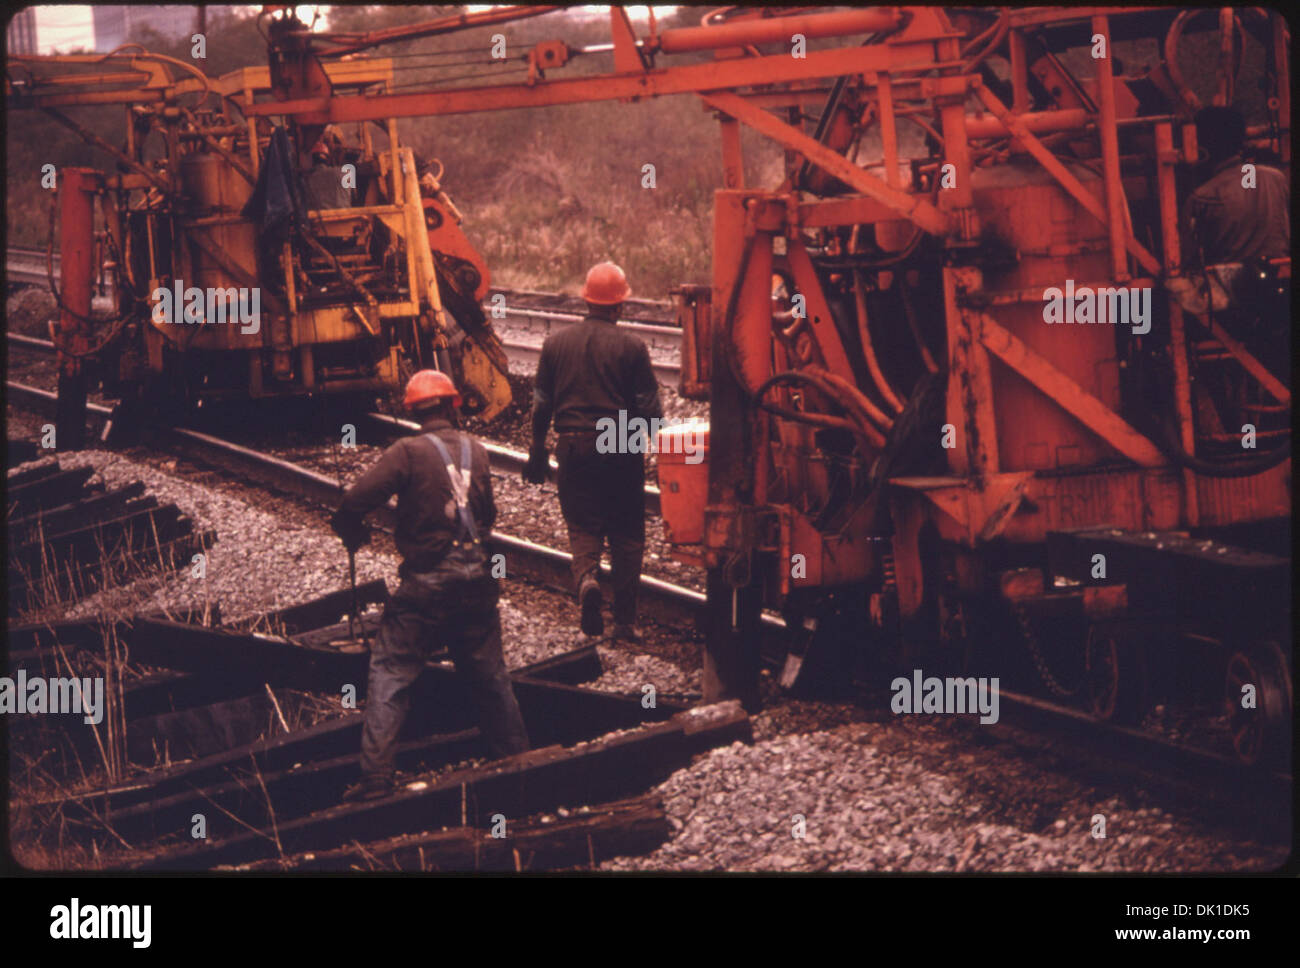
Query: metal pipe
point(1019, 72)
point(956, 152)
point(351, 42)
point(91, 138)
point(1166, 160)
point(1227, 25)
point(893, 235)
point(1110, 150)
point(990, 127)
point(769, 30)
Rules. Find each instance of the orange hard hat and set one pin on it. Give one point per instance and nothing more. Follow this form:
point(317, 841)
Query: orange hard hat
point(606, 285)
point(430, 385)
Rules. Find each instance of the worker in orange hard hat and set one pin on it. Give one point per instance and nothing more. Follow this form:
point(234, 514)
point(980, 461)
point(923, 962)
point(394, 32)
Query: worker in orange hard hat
point(594, 376)
point(428, 388)
point(328, 144)
point(447, 595)
point(606, 286)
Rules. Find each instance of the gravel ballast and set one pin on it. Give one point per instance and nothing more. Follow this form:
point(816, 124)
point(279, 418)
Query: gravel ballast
point(896, 795)
point(272, 552)
point(875, 792)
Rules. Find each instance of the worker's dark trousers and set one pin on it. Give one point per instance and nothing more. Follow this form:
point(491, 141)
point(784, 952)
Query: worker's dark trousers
point(430, 610)
point(603, 496)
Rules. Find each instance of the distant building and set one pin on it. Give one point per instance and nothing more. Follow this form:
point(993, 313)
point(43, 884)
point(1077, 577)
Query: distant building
point(115, 25)
point(20, 35)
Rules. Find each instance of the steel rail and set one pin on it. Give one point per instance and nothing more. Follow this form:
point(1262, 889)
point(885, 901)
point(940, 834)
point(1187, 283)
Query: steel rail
point(527, 355)
point(505, 460)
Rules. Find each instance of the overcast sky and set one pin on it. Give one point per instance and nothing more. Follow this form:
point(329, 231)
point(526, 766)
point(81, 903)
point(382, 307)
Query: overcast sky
point(64, 28)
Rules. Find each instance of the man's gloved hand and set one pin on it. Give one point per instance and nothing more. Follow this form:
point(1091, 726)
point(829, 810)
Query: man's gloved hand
point(351, 530)
point(538, 467)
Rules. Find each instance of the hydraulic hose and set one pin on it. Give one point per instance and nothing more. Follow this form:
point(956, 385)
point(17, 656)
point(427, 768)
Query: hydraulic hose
point(866, 431)
point(850, 396)
point(1257, 465)
point(999, 31)
point(729, 317)
point(868, 349)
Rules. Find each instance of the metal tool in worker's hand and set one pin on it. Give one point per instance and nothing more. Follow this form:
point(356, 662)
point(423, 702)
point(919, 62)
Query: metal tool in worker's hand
point(353, 534)
point(356, 602)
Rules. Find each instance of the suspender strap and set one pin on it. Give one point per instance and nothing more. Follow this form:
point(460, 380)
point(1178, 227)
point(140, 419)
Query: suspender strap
point(459, 478)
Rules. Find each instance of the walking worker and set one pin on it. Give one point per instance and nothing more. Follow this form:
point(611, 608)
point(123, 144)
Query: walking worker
point(589, 371)
point(447, 595)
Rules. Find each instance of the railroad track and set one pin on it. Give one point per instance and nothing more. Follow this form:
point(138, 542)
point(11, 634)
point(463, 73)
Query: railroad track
point(252, 736)
point(1150, 756)
point(27, 266)
point(381, 427)
point(663, 342)
point(526, 316)
point(67, 539)
point(525, 354)
point(548, 566)
point(652, 312)
point(229, 705)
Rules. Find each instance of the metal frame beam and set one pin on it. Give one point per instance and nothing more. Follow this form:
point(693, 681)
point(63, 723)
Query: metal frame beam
point(1074, 399)
point(686, 79)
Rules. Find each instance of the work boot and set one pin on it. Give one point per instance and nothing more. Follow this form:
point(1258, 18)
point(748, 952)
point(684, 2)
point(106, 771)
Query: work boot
point(626, 633)
point(593, 623)
point(373, 786)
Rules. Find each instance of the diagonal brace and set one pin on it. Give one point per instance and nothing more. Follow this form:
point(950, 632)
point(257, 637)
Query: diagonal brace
point(911, 207)
point(1071, 397)
point(1252, 366)
point(1054, 166)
